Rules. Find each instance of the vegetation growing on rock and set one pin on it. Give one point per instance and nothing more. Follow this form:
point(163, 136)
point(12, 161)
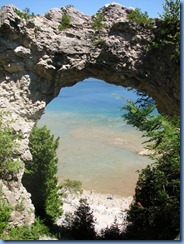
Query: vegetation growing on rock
point(9, 168)
point(10, 164)
point(98, 21)
point(25, 232)
point(168, 31)
point(168, 35)
point(25, 14)
point(139, 17)
point(5, 211)
point(65, 22)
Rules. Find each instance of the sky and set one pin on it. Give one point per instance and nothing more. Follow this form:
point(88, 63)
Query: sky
point(89, 7)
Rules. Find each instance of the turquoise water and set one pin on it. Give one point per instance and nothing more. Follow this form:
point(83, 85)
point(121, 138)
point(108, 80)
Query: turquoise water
point(96, 146)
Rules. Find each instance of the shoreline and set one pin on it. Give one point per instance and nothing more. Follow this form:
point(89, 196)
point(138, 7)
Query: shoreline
point(103, 159)
point(106, 208)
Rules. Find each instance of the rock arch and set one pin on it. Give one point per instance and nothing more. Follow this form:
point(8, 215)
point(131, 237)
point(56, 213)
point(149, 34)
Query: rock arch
point(38, 59)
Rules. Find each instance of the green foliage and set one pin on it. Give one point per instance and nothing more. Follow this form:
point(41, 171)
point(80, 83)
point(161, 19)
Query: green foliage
point(26, 232)
point(40, 179)
point(158, 190)
point(98, 21)
point(20, 207)
point(9, 165)
point(140, 117)
point(139, 17)
point(169, 30)
point(111, 233)
point(82, 227)
point(167, 33)
point(158, 186)
point(171, 11)
point(5, 211)
point(71, 186)
point(65, 22)
point(25, 14)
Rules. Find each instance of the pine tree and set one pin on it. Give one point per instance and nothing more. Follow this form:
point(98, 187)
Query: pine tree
point(83, 223)
point(158, 187)
point(40, 179)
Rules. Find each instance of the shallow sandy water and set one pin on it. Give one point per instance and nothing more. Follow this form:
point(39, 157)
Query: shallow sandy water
point(103, 159)
point(96, 146)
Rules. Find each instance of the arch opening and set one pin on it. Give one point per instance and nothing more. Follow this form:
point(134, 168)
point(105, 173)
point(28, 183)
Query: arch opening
point(96, 146)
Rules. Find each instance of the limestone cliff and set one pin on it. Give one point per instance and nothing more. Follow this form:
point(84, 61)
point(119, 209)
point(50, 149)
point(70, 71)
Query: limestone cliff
point(38, 59)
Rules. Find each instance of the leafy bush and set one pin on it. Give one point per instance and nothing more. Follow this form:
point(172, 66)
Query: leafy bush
point(40, 177)
point(169, 30)
point(167, 33)
point(71, 186)
point(5, 211)
point(171, 11)
point(25, 14)
point(26, 232)
point(139, 17)
point(9, 165)
point(98, 21)
point(65, 22)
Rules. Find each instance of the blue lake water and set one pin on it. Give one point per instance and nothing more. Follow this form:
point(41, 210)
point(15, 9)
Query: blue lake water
point(96, 146)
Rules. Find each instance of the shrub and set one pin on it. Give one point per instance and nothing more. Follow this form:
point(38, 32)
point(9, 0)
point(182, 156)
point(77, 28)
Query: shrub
point(139, 17)
point(5, 211)
point(98, 21)
point(71, 186)
point(169, 30)
point(9, 164)
point(25, 14)
point(171, 11)
point(65, 22)
point(26, 232)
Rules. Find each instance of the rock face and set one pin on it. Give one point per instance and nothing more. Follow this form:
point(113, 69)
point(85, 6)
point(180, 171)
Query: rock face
point(38, 59)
